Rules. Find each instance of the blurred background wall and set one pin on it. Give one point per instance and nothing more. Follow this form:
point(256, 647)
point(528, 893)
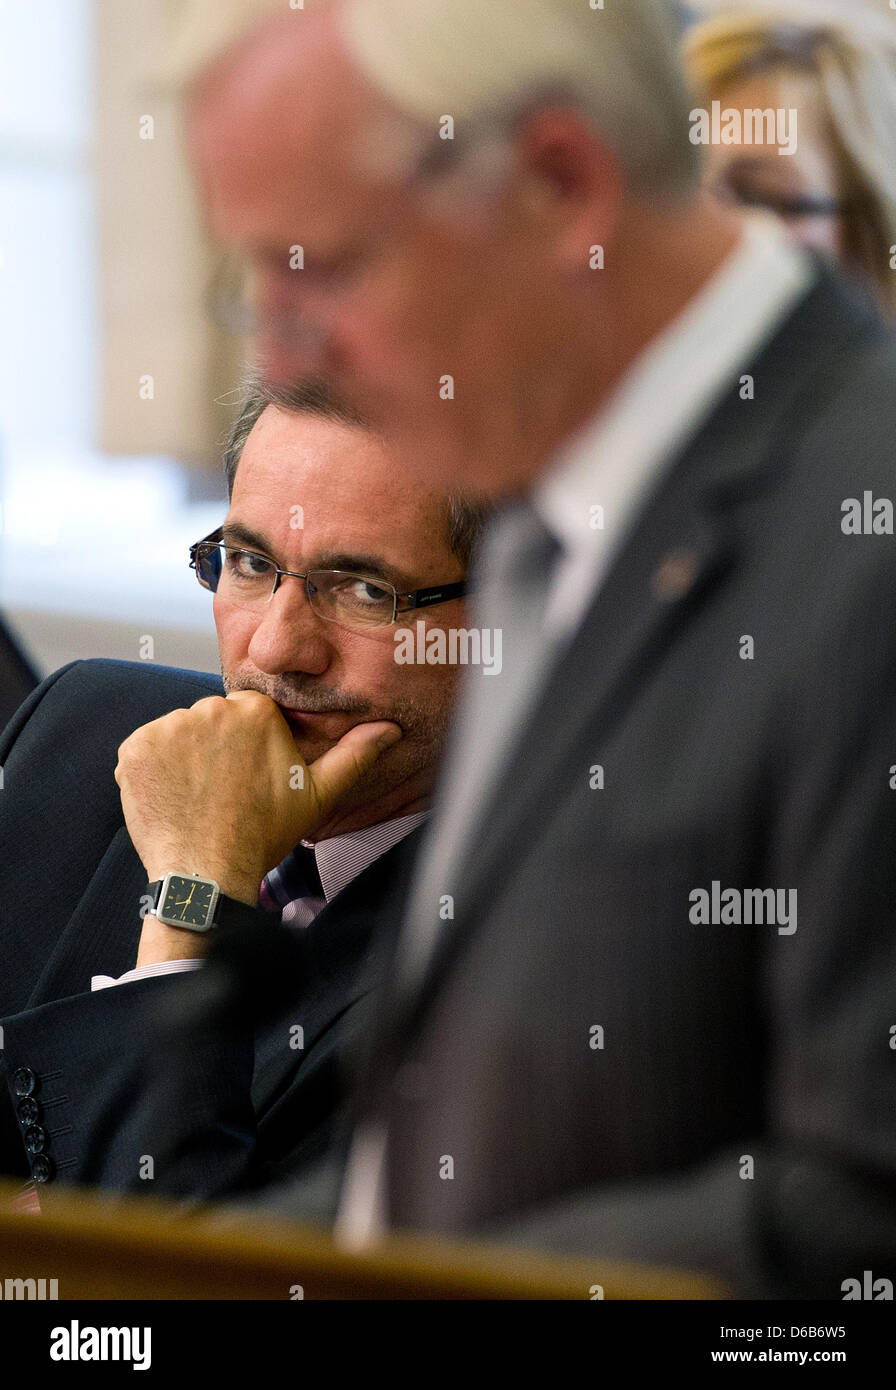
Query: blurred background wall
point(111, 376)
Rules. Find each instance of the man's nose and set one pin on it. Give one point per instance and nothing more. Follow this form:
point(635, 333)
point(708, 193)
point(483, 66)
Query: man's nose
point(283, 361)
point(291, 329)
point(290, 636)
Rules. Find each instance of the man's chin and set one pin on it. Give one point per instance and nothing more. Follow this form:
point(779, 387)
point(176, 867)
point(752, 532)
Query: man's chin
point(311, 747)
point(318, 731)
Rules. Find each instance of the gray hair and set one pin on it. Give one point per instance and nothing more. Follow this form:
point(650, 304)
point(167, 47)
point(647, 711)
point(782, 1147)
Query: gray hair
point(465, 518)
point(618, 66)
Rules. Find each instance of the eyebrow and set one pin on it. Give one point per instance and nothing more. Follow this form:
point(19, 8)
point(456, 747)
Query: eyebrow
point(235, 531)
point(366, 564)
point(374, 565)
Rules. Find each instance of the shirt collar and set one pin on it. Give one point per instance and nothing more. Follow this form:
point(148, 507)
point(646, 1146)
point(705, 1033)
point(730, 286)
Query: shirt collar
point(672, 387)
point(343, 857)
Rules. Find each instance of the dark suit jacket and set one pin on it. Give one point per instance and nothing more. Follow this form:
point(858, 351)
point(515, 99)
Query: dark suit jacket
point(205, 1080)
point(740, 1114)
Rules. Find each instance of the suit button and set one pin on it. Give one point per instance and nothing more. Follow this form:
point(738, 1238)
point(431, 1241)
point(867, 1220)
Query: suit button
point(35, 1139)
point(24, 1082)
point(28, 1111)
point(42, 1168)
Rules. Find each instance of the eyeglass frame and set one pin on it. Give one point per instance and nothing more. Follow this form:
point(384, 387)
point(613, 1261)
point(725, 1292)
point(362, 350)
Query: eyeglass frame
point(808, 205)
point(422, 598)
point(237, 316)
point(785, 205)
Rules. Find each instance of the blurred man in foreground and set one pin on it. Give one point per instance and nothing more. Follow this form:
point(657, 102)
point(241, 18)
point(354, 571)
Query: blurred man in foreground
point(324, 558)
point(641, 1006)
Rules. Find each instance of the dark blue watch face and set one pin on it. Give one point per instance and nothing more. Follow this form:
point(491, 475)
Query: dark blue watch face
point(187, 901)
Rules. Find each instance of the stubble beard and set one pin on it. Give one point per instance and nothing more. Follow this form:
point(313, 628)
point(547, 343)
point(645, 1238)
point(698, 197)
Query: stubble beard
point(425, 732)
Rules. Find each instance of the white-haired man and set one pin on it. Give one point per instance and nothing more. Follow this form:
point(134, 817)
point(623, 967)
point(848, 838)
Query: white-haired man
point(639, 1006)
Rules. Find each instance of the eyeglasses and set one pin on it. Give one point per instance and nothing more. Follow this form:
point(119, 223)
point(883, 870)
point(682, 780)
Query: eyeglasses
point(232, 301)
point(784, 204)
point(356, 601)
point(231, 305)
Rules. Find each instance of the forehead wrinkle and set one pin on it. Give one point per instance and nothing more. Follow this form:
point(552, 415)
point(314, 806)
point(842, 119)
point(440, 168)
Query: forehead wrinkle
point(344, 480)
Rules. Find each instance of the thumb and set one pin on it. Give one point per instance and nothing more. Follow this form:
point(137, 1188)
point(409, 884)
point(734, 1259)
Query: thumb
point(337, 770)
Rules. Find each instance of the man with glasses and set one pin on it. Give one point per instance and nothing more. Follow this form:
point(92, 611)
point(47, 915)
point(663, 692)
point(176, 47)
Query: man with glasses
point(299, 797)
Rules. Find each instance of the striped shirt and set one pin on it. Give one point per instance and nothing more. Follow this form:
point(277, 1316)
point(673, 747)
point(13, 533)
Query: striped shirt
point(339, 860)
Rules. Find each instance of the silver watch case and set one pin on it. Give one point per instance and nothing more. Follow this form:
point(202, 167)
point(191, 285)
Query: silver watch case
point(176, 922)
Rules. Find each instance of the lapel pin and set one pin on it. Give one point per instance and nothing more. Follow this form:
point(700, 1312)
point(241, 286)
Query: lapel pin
point(675, 575)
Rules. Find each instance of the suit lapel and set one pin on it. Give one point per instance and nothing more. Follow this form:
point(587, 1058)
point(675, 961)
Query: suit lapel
point(682, 548)
point(326, 967)
point(367, 912)
point(613, 653)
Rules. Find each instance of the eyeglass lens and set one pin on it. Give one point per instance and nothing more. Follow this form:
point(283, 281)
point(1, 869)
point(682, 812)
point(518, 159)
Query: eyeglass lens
point(249, 580)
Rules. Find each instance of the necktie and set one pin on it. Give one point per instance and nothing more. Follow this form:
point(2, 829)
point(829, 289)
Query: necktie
point(519, 563)
point(512, 590)
point(294, 888)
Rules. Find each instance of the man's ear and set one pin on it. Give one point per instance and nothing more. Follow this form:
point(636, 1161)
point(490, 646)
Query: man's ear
point(571, 184)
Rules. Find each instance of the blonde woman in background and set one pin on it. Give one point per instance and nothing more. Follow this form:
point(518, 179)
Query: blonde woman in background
point(837, 68)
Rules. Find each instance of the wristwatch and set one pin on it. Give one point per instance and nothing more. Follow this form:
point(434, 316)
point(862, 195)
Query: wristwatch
point(196, 904)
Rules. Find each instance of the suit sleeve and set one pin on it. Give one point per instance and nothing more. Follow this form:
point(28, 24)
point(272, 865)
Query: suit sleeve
point(103, 1098)
point(150, 1087)
point(83, 1075)
point(84, 1093)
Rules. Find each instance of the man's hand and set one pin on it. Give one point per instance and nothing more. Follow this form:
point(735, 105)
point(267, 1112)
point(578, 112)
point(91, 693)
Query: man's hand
point(220, 790)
